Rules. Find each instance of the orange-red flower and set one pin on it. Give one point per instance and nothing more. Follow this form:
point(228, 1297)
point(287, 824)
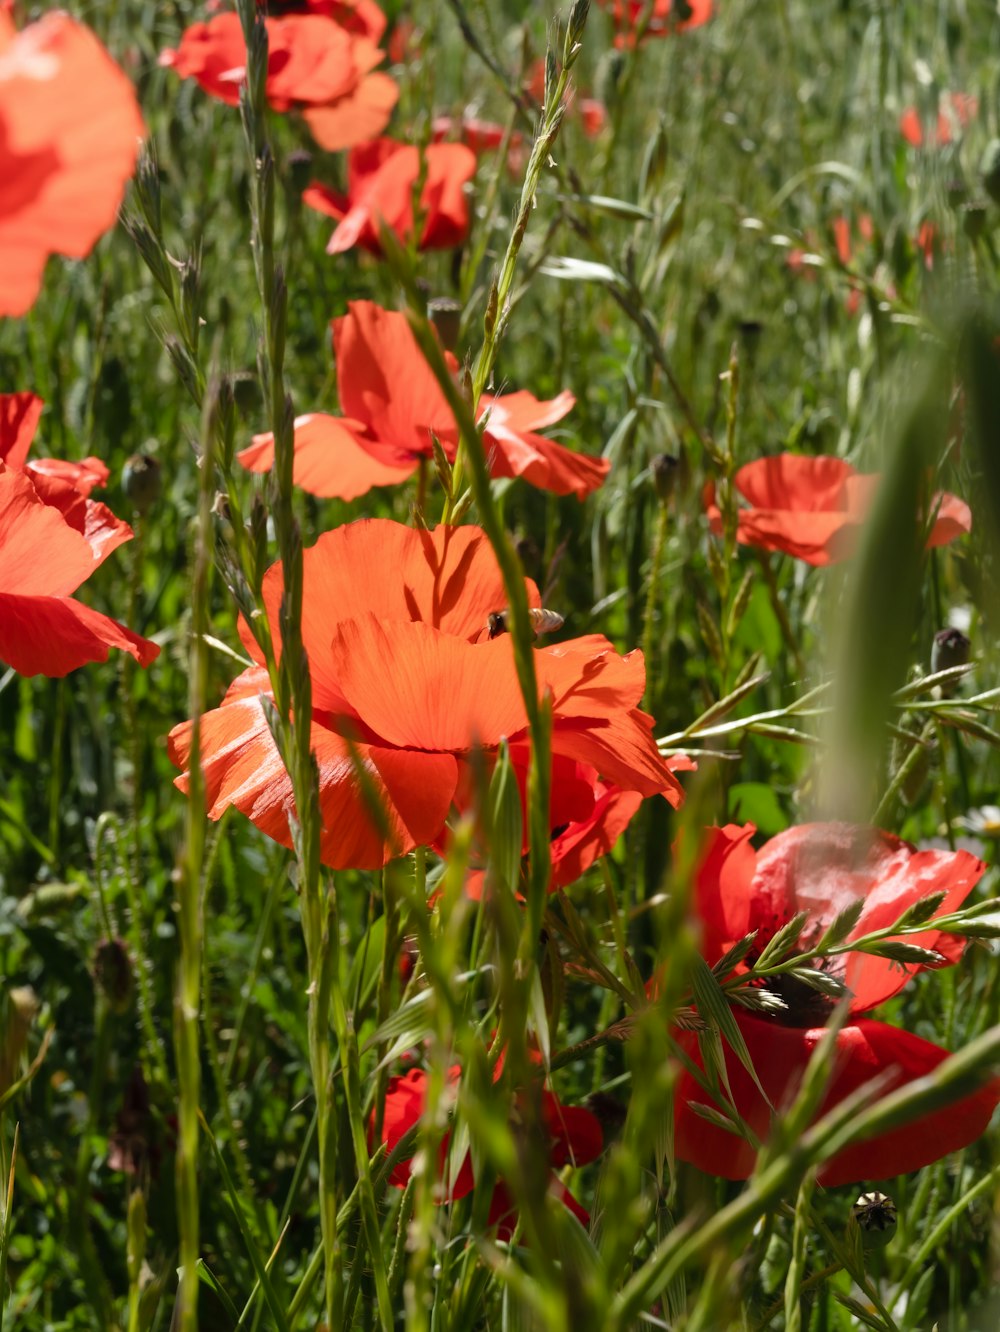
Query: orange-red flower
point(813, 508)
point(65, 486)
point(402, 689)
point(313, 65)
point(574, 1138)
point(393, 405)
point(956, 111)
point(381, 177)
point(823, 869)
point(361, 16)
point(586, 815)
point(43, 630)
point(668, 16)
point(69, 137)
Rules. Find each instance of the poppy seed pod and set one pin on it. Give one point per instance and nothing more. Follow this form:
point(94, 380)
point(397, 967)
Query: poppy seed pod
point(141, 481)
point(951, 648)
point(664, 468)
point(874, 1215)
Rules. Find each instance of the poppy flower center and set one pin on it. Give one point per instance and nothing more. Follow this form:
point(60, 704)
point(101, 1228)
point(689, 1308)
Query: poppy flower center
point(804, 1006)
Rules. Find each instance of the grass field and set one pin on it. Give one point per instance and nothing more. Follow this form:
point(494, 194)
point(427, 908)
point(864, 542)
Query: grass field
point(772, 232)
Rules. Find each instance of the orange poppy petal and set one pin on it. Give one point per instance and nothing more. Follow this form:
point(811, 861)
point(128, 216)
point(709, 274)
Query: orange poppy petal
point(63, 98)
point(359, 116)
point(19, 417)
point(326, 201)
point(384, 380)
point(448, 578)
point(954, 519)
point(54, 635)
point(381, 177)
point(543, 463)
point(330, 458)
point(40, 555)
point(523, 411)
point(419, 688)
point(84, 476)
point(242, 767)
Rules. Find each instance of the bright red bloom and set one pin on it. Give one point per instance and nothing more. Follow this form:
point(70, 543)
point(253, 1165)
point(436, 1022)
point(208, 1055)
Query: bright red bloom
point(381, 177)
point(313, 65)
point(822, 869)
point(360, 16)
point(956, 111)
point(668, 16)
point(400, 685)
point(813, 508)
point(64, 485)
point(43, 631)
point(69, 137)
point(393, 405)
point(575, 1138)
point(587, 816)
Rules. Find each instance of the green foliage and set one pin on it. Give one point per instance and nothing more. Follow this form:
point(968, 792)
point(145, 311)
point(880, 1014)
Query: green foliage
point(651, 276)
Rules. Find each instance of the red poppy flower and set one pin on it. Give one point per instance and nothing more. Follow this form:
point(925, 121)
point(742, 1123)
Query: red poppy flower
point(822, 869)
point(956, 111)
point(587, 816)
point(668, 16)
point(381, 177)
point(69, 137)
point(313, 65)
point(359, 16)
point(813, 508)
point(400, 686)
point(43, 631)
point(64, 485)
point(574, 1134)
point(393, 405)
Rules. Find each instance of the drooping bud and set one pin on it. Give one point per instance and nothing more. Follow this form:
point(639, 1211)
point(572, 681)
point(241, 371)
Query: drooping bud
point(951, 648)
point(445, 314)
point(664, 468)
point(141, 481)
point(113, 974)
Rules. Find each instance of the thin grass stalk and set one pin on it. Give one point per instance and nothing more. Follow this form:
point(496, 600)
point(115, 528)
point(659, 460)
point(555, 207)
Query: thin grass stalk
point(187, 1003)
point(7, 1223)
point(293, 694)
point(498, 304)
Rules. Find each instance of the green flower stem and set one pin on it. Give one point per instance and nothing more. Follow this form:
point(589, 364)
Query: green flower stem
point(291, 679)
point(187, 1001)
point(498, 302)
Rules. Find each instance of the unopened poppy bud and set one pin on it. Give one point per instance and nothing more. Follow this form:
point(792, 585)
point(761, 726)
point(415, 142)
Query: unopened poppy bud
point(246, 393)
point(974, 219)
point(141, 482)
point(299, 166)
point(664, 468)
point(113, 974)
point(956, 192)
point(874, 1214)
point(951, 648)
point(989, 170)
point(446, 316)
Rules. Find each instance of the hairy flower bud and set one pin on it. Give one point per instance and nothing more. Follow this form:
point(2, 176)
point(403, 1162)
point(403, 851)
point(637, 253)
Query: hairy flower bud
point(141, 481)
point(113, 974)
